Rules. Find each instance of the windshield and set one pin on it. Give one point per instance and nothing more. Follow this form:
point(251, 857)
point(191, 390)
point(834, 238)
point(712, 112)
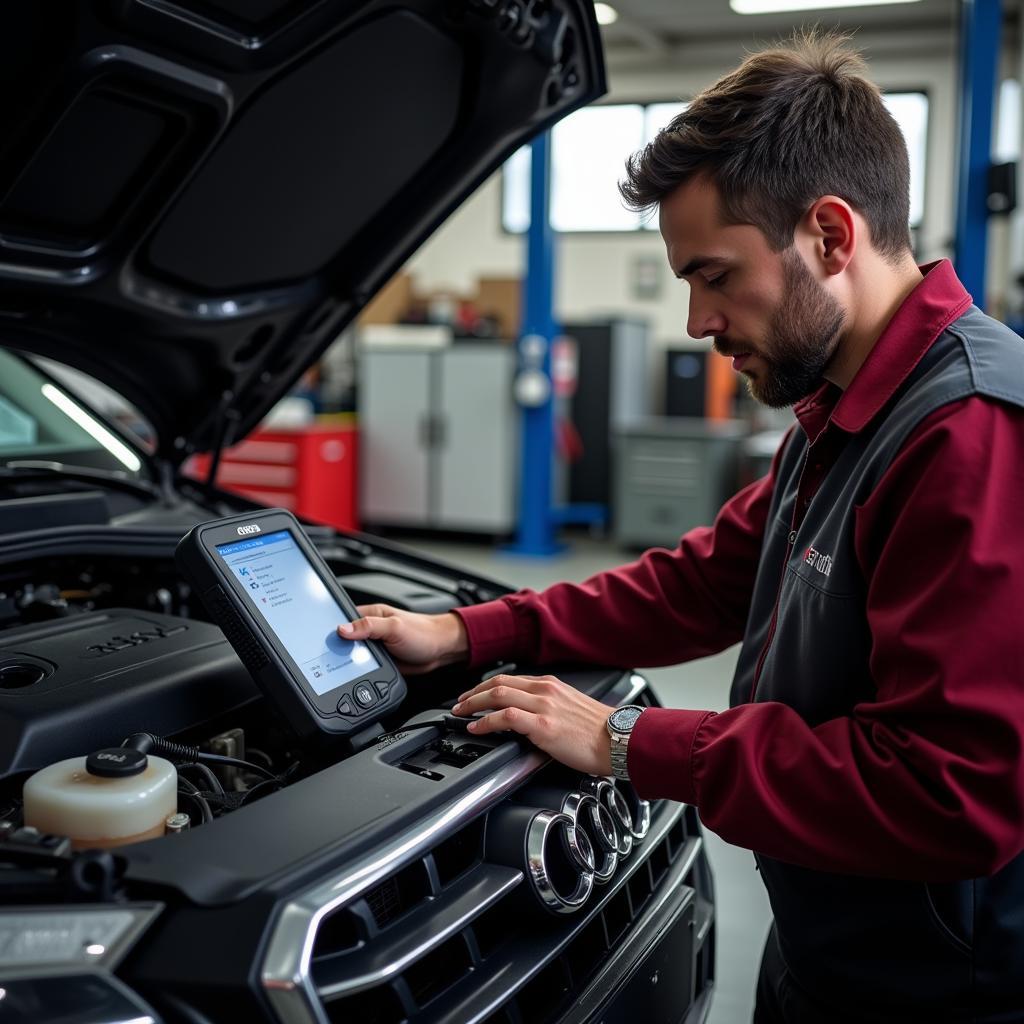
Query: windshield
point(50, 419)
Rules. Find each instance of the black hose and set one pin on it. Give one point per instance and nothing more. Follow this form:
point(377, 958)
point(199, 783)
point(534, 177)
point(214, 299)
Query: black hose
point(147, 743)
point(191, 792)
point(213, 783)
point(234, 762)
point(255, 792)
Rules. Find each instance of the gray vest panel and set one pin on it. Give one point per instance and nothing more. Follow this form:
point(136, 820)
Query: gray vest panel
point(937, 952)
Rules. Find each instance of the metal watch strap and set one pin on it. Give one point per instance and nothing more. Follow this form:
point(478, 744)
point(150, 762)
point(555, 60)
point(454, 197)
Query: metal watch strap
point(620, 764)
point(620, 724)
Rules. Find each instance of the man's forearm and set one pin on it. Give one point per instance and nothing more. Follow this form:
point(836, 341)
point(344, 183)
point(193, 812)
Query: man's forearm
point(664, 608)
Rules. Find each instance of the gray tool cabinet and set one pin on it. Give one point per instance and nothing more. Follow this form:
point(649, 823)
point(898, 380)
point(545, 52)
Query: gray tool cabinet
point(672, 474)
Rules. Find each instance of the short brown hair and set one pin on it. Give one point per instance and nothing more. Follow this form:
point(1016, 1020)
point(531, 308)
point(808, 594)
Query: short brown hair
point(789, 125)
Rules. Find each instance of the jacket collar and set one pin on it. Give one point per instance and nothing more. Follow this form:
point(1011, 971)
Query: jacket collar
point(926, 312)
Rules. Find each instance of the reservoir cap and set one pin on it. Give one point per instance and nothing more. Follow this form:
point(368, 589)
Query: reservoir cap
point(116, 762)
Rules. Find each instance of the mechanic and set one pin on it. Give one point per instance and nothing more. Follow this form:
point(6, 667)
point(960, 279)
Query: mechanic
point(873, 753)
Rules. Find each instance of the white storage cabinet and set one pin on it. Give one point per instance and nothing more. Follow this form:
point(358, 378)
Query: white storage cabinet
point(438, 436)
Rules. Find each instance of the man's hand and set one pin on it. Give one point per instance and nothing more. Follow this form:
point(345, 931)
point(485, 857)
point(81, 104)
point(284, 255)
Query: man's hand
point(418, 643)
point(556, 717)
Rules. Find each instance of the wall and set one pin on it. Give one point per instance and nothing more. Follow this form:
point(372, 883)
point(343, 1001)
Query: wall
point(593, 271)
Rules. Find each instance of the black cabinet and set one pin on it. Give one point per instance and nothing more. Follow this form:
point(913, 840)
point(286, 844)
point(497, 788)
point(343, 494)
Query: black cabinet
point(613, 389)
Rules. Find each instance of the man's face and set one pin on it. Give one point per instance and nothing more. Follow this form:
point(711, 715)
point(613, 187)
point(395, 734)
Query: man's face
point(763, 308)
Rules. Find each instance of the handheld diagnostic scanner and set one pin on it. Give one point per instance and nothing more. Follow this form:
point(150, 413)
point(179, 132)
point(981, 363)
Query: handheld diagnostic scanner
point(279, 605)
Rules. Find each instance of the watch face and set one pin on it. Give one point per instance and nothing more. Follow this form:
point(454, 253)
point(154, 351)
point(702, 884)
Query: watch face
point(625, 718)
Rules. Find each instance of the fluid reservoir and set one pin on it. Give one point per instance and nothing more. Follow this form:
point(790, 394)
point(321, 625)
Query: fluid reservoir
point(109, 798)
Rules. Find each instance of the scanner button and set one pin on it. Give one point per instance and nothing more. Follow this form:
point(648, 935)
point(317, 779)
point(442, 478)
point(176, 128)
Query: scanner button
point(364, 695)
point(345, 706)
point(382, 689)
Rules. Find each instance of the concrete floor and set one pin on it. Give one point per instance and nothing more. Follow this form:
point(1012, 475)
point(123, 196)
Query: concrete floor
point(743, 914)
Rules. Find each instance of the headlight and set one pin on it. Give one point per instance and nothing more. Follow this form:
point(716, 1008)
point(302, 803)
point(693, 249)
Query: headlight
point(56, 964)
point(70, 936)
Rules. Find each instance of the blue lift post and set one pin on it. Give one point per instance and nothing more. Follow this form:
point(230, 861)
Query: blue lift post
point(980, 30)
point(536, 528)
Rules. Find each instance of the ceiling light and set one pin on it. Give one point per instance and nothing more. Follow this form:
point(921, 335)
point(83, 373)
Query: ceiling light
point(606, 14)
point(781, 6)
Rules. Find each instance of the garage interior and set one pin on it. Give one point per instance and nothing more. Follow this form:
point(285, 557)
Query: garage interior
point(522, 399)
point(667, 434)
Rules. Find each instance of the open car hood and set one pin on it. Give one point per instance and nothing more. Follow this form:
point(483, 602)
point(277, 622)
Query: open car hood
point(196, 196)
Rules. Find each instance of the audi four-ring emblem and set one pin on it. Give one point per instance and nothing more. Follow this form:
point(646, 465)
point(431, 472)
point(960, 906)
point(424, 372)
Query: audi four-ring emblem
point(571, 849)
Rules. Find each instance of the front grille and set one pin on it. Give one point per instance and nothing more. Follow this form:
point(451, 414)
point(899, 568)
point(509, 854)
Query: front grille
point(453, 937)
point(532, 898)
point(399, 894)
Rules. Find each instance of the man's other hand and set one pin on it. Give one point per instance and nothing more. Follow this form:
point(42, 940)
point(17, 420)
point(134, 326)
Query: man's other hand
point(554, 716)
point(417, 643)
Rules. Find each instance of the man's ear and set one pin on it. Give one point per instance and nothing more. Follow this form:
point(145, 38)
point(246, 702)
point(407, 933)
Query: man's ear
point(833, 230)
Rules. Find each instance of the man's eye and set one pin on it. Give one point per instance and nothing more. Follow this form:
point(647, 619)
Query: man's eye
point(717, 282)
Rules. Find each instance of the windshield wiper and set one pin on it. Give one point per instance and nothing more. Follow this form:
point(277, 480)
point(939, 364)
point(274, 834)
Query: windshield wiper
point(40, 469)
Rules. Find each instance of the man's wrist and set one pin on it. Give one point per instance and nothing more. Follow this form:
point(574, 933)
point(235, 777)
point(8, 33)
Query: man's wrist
point(454, 643)
point(604, 751)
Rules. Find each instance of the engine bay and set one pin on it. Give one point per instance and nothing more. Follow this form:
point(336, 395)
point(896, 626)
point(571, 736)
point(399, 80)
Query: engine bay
point(393, 859)
point(96, 653)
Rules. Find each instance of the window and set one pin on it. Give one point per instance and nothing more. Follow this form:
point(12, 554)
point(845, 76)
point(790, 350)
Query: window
point(587, 153)
point(910, 109)
point(589, 150)
point(657, 115)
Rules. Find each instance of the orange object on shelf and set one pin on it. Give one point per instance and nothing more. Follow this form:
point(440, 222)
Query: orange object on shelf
point(310, 471)
point(720, 391)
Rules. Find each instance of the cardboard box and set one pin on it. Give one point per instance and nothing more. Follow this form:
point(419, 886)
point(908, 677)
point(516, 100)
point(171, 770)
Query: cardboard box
point(390, 304)
point(502, 298)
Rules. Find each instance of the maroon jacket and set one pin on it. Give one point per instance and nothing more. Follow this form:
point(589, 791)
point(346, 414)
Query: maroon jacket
point(877, 726)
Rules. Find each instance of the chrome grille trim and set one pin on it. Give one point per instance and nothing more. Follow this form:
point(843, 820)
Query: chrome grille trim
point(676, 875)
point(399, 964)
point(637, 685)
point(286, 967)
point(286, 976)
point(678, 871)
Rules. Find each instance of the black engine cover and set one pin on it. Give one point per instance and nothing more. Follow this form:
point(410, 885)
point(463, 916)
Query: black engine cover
point(76, 684)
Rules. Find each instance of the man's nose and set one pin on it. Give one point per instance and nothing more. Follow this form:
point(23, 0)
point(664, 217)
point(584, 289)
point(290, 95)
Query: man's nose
point(704, 319)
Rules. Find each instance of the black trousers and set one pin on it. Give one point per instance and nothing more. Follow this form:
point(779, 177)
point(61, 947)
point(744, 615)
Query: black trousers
point(779, 1001)
point(768, 1008)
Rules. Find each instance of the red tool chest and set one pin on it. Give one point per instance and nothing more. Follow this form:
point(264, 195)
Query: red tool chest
point(310, 471)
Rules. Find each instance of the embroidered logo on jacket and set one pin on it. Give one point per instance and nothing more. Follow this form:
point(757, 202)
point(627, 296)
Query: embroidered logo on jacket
point(816, 560)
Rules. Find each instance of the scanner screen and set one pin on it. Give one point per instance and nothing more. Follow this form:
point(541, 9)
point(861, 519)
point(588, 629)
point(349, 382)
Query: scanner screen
point(297, 606)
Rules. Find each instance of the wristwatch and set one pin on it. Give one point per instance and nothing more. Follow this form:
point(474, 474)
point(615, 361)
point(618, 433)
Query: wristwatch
point(620, 726)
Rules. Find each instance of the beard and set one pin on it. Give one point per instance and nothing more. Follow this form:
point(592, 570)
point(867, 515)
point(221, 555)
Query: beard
point(802, 336)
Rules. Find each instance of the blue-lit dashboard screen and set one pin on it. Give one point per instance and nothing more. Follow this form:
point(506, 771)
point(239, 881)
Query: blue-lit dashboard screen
point(297, 606)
